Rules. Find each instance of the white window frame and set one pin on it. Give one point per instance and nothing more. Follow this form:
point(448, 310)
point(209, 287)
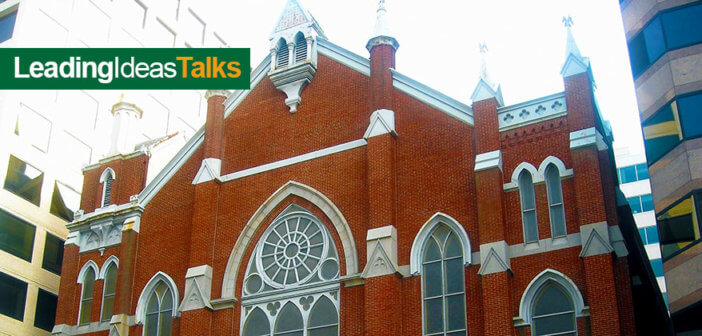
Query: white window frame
point(554, 221)
point(104, 180)
point(112, 261)
point(81, 280)
point(140, 316)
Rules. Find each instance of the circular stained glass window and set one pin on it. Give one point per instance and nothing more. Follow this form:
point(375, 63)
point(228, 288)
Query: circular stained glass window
point(291, 250)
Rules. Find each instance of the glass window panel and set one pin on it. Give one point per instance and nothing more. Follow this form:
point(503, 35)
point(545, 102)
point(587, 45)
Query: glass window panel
point(86, 308)
point(432, 251)
point(454, 275)
point(647, 202)
point(7, 26)
point(657, 266)
point(59, 205)
point(16, 236)
point(165, 323)
point(14, 294)
point(434, 315)
point(257, 324)
point(111, 280)
point(456, 333)
point(88, 283)
point(323, 313)
point(455, 311)
point(441, 233)
point(628, 174)
point(635, 204)
point(552, 300)
point(553, 182)
point(558, 221)
point(655, 43)
point(642, 233)
point(24, 180)
point(690, 110)
point(45, 313)
point(453, 247)
point(326, 331)
point(553, 324)
point(651, 234)
point(641, 171)
point(657, 147)
point(151, 325)
point(289, 319)
point(53, 254)
point(167, 301)
point(152, 306)
point(638, 56)
point(432, 279)
point(683, 26)
point(530, 227)
point(526, 188)
point(108, 303)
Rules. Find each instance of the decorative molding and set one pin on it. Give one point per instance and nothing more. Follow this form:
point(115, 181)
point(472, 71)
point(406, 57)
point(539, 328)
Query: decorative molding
point(488, 160)
point(420, 240)
point(433, 98)
point(293, 160)
point(132, 224)
point(494, 258)
point(71, 239)
point(209, 170)
point(387, 237)
point(532, 111)
point(595, 239)
point(110, 260)
point(574, 65)
point(198, 286)
point(119, 325)
point(543, 278)
point(291, 80)
point(379, 263)
point(313, 196)
point(483, 90)
point(587, 137)
point(381, 122)
point(382, 40)
point(84, 269)
point(223, 303)
point(219, 93)
point(537, 175)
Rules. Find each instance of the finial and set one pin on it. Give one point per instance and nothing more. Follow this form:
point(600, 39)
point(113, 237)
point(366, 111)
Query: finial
point(483, 47)
point(121, 97)
point(381, 31)
point(568, 21)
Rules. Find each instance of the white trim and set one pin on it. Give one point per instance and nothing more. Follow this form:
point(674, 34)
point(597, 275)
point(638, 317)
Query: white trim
point(81, 274)
point(515, 174)
point(103, 176)
point(381, 122)
point(488, 160)
point(103, 180)
point(562, 171)
point(140, 313)
point(433, 98)
point(313, 196)
point(293, 160)
point(423, 235)
point(111, 260)
point(535, 285)
point(343, 56)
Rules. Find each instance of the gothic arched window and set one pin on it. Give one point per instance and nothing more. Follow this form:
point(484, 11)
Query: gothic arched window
point(553, 312)
point(159, 310)
point(87, 279)
point(443, 285)
point(555, 201)
point(291, 286)
point(300, 48)
point(108, 292)
point(282, 55)
point(528, 203)
point(107, 177)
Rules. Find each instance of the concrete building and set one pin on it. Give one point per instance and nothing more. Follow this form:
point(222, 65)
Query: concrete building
point(48, 136)
point(632, 172)
point(665, 47)
point(338, 196)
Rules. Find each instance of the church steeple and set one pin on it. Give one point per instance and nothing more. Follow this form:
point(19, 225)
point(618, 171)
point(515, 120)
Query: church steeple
point(487, 87)
point(382, 48)
point(574, 63)
point(381, 32)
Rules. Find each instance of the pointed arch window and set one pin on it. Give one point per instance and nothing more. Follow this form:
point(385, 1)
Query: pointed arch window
point(282, 55)
point(443, 285)
point(159, 310)
point(291, 285)
point(86, 296)
point(300, 48)
point(528, 204)
point(108, 294)
point(553, 312)
point(555, 201)
point(107, 178)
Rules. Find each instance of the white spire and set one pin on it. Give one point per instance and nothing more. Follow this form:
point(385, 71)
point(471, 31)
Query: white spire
point(382, 26)
point(575, 63)
point(486, 87)
point(484, 69)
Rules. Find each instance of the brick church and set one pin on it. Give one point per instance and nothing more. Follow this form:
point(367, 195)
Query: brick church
point(338, 196)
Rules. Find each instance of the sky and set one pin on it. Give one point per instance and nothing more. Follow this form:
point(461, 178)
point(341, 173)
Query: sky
point(439, 44)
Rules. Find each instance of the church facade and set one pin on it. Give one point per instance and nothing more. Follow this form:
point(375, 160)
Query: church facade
point(338, 196)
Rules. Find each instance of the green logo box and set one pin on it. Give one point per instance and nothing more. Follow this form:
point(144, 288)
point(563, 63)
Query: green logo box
point(125, 68)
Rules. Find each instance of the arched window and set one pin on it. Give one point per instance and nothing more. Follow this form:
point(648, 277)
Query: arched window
point(108, 292)
point(553, 312)
point(295, 255)
point(289, 321)
point(282, 55)
point(159, 310)
point(528, 203)
point(300, 48)
point(324, 320)
point(86, 296)
point(555, 201)
point(443, 285)
point(106, 179)
point(257, 324)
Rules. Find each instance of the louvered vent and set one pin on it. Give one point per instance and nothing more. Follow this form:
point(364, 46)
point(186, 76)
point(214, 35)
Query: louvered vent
point(282, 56)
point(300, 48)
point(107, 193)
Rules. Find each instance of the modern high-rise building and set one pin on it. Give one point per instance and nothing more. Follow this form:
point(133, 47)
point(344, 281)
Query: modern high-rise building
point(632, 173)
point(47, 137)
point(665, 46)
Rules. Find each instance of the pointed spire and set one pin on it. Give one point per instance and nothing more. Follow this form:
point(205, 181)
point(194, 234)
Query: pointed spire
point(486, 87)
point(575, 63)
point(294, 15)
point(382, 34)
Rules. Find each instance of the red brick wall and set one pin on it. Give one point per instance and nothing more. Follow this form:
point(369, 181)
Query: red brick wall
point(130, 179)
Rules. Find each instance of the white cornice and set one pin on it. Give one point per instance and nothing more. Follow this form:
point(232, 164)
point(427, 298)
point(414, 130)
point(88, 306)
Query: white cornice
point(532, 111)
point(343, 56)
